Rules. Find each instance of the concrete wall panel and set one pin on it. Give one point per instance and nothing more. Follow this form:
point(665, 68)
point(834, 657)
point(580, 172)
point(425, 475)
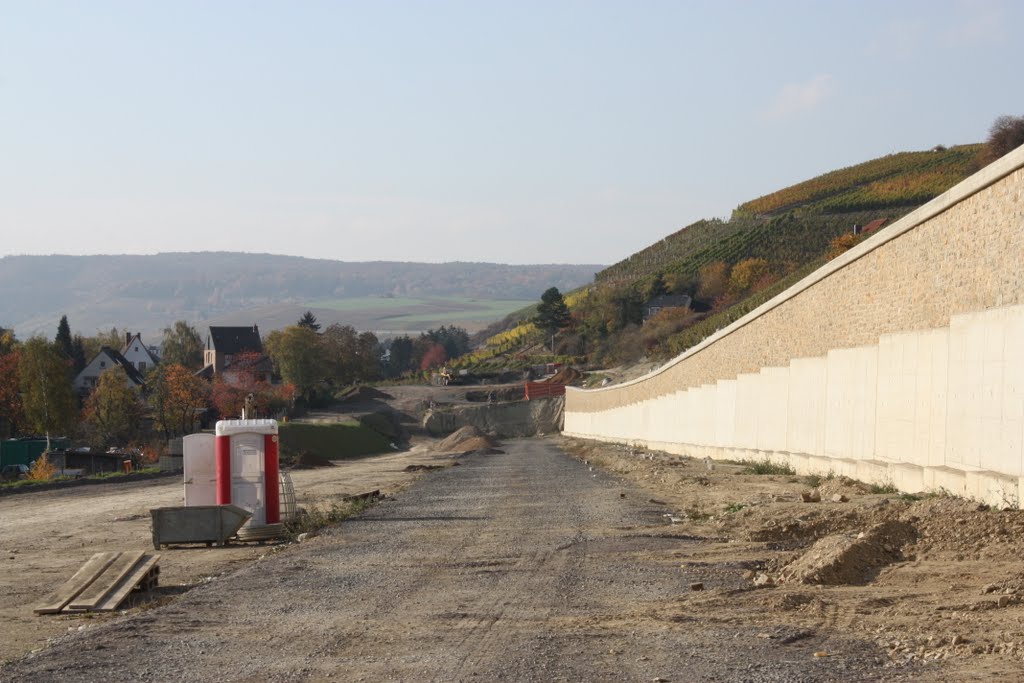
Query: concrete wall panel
point(903, 359)
point(805, 432)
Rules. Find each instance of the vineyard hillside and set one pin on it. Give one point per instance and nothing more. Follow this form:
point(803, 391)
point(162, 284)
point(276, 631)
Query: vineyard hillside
point(797, 223)
point(728, 267)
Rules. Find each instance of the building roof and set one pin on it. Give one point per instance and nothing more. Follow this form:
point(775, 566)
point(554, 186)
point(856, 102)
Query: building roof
point(669, 301)
point(129, 338)
point(234, 340)
point(873, 225)
point(117, 359)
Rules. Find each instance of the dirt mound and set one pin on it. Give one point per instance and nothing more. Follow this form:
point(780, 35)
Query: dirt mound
point(364, 393)
point(565, 376)
point(465, 439)
point(308, 460)
point(421, 468)
point(845, 559)
point(382, 423)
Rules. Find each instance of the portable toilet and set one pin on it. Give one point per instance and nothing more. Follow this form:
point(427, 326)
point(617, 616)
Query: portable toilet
point(246, 462)
point(199, 463)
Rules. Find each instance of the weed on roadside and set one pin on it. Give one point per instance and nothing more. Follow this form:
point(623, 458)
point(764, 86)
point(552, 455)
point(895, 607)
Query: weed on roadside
point(316, 517)
point(732, 508)
point(696, 512)
point(887, 487)
point(765, 466)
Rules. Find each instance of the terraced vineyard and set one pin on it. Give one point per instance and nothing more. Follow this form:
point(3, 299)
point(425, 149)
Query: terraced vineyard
point(782, 237)
point(796, 224)
point(903, 179)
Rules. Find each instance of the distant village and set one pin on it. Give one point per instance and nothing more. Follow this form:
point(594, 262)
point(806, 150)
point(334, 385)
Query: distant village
point(116, 402)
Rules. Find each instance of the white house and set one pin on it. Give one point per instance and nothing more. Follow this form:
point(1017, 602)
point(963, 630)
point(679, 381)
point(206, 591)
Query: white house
point(106, 359)
point(137, 353)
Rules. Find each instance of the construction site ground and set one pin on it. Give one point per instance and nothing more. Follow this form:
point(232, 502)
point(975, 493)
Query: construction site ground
point(525, 563)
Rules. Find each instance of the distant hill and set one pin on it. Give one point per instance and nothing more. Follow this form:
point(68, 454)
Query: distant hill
point(146, 293)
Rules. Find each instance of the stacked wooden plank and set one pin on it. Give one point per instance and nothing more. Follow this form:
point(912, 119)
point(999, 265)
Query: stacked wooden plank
point(103, 583)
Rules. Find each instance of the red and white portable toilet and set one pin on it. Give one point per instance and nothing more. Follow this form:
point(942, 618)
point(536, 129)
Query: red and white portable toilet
point(246, 461)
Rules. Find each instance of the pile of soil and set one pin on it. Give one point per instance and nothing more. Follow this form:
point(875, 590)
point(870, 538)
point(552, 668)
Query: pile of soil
point(566, 375)
point(365, 393)
point(421, 468)
point(466, 439)
point(847, 559)
point(307, 460)
point(382, 423)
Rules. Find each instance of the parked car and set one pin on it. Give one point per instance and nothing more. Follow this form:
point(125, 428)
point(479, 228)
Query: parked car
point(14, 472)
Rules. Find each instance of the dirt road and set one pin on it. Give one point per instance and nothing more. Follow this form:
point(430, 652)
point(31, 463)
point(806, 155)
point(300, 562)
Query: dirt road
point(46, 536)
point(521, 566)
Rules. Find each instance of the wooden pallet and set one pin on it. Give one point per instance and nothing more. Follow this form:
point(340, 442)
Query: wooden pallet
point(103, 583)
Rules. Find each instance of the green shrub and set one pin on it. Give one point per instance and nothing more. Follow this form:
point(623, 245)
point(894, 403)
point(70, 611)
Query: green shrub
point(766, 466)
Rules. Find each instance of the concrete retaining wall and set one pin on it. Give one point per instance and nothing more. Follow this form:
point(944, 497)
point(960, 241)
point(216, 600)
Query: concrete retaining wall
point(900, 362)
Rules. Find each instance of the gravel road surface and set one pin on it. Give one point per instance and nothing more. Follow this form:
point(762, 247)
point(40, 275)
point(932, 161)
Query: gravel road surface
point(521, 566)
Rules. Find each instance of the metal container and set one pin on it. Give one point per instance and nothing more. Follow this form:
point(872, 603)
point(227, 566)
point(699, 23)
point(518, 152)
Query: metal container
point(209, 524)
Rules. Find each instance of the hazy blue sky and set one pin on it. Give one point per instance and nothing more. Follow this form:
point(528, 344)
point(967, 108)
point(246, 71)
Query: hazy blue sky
point(513, 131)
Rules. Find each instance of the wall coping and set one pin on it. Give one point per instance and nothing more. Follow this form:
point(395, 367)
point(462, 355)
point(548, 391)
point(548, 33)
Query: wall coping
point(968, 187)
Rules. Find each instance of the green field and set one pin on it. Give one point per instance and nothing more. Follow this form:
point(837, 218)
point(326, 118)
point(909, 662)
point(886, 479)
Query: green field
point(334, 441)
point(407, 312)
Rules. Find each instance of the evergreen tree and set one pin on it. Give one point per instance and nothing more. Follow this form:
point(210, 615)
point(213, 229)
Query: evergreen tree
point(78, 359)
point(63, 338)
point(658, 287)
point(552, 314)
point(308, 320)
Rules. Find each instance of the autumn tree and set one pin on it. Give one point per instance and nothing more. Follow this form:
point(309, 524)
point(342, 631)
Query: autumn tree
point(229, 391)
point(182, 345)
point(10, 391)
point(455, 340)
point(8, 342)
point(841, 244)
point(713, 278)
point(339, 346)
point(176, 395)
point(114, 410)
point(748, 272)
point(434, 357)
point(296, 352)
point(47, 400)
point(552, 313)
point(111, 338)
point(1005, 135)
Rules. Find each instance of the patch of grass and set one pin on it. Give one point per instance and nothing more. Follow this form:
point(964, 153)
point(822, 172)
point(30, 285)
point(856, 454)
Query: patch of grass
point(335, 441)
point(696, 512)
point(766, 466)
point(887, 487)
point(732, 508)
point(813, 480)
point(119, 473)
point(99, 475)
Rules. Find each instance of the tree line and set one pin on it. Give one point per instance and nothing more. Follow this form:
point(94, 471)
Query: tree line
point(302, 366)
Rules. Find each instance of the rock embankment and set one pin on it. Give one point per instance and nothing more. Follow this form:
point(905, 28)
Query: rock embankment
point(505, 420)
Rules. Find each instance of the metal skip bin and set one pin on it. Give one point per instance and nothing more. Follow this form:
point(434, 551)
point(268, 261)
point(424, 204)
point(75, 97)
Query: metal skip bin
point(209, 524)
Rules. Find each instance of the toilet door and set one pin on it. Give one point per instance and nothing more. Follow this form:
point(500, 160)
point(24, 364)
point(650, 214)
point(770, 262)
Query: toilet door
point(247, 489)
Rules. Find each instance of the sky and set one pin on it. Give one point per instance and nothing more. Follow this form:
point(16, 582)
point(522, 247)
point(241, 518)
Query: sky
point(509, 132)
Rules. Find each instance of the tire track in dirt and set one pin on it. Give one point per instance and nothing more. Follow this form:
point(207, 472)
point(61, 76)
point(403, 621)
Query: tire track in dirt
point(510, 566)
